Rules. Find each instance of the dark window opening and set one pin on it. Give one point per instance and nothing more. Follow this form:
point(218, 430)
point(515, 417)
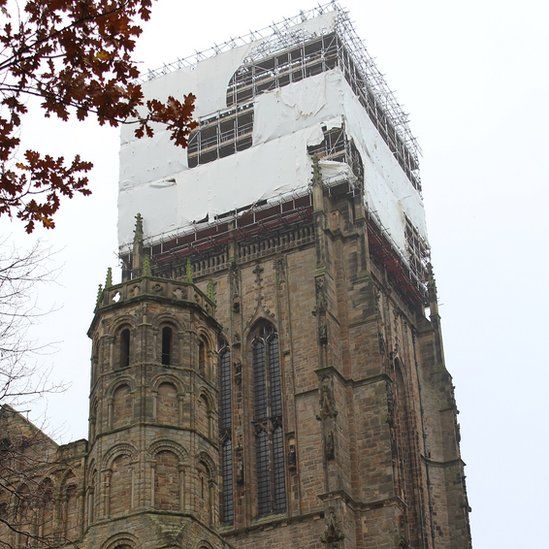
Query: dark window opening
point(227, 505)
point(5, 444)
point(262, 472)
point(269, 439)
point(202, 357)
point(225, 433)
point(124, 348)
point(166, 345)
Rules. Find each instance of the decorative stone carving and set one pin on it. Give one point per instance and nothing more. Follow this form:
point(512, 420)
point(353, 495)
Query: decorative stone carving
point(239, 466)
point(238, 372)
point(327, 401)
point(280, 269)
point(235, 286)
point(258, 271)
point(292, 457)
point(390, 405)
point(179, 293)
point(323, 333)
point(329, 445)
point(381, 342)
point(327, 416)
point(332, 532)
point(321, 296)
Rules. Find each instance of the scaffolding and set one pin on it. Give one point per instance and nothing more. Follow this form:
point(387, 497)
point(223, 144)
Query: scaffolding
point(287, 53)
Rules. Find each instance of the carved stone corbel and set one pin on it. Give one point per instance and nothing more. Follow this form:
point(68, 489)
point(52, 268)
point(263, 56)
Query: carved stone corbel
point(332, 534)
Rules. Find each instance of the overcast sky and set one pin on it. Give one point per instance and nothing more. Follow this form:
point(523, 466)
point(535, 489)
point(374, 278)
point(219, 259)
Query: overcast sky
point(474, 77)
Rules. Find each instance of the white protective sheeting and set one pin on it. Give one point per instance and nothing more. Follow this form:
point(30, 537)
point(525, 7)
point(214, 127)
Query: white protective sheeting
point(273, 168)
point(156, 182)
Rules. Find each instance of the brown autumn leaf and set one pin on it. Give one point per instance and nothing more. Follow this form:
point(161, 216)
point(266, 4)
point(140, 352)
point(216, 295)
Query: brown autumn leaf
point(76, 56)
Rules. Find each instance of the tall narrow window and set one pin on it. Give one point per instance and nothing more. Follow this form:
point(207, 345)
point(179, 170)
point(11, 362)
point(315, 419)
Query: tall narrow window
point(202, 352)
point(269, 442)
point(225, 432)
point(166, 345)
point(124, 348)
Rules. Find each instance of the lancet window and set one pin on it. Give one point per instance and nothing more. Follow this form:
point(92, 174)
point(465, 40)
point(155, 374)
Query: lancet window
point(225, 428)
point(269, 436)
point(124, 348)
point(167, 337)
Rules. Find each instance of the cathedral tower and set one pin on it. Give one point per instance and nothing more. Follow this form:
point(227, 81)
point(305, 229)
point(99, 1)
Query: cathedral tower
point(270, 372)
point(153, 453)
point(299, 200)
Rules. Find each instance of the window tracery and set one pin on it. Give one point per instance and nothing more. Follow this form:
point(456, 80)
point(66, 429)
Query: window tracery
point(225, 432)
point(267, 408)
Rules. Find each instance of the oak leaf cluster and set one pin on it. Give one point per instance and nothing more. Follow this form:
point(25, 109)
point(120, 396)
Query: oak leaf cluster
point(75, 57)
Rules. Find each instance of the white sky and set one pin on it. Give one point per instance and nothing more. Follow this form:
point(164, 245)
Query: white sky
point(474, 77)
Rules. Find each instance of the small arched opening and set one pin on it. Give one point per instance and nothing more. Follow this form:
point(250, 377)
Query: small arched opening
point(167, 346)
point(125, 340)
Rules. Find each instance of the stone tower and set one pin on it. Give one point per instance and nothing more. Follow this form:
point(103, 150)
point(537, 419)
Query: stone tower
point(153, 457)
point(270, 373)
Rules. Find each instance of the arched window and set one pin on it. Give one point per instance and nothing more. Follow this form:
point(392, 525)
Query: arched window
point(405, 443)
point(166, 481)
point(205, 492)
point(125, 340)
point(122, 406)
point(23, 516)
point(70, 511)
point(225, 433)
point(46, 527)
point(91, 497)
point(120, 496)
point(202, 356)
point(167, 407)
point(269, 441)
point(167, 351)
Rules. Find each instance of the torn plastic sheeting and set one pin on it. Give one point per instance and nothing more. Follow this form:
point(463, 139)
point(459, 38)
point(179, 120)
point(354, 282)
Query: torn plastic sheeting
point(299, 105)
point(334, 172)
point(282, 165)
point(387, 188)
point(277, 160)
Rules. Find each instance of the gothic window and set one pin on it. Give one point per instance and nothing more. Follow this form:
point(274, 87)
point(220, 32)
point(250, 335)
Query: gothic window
point(225, 431)
point(269, 438)
point(91, 497)
point(125, 348)
point(46, 524)
point(23, 516)
point(166, 481)
point(122, 409)
point(167, 351)
point(404, 429)
point(70, 512)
